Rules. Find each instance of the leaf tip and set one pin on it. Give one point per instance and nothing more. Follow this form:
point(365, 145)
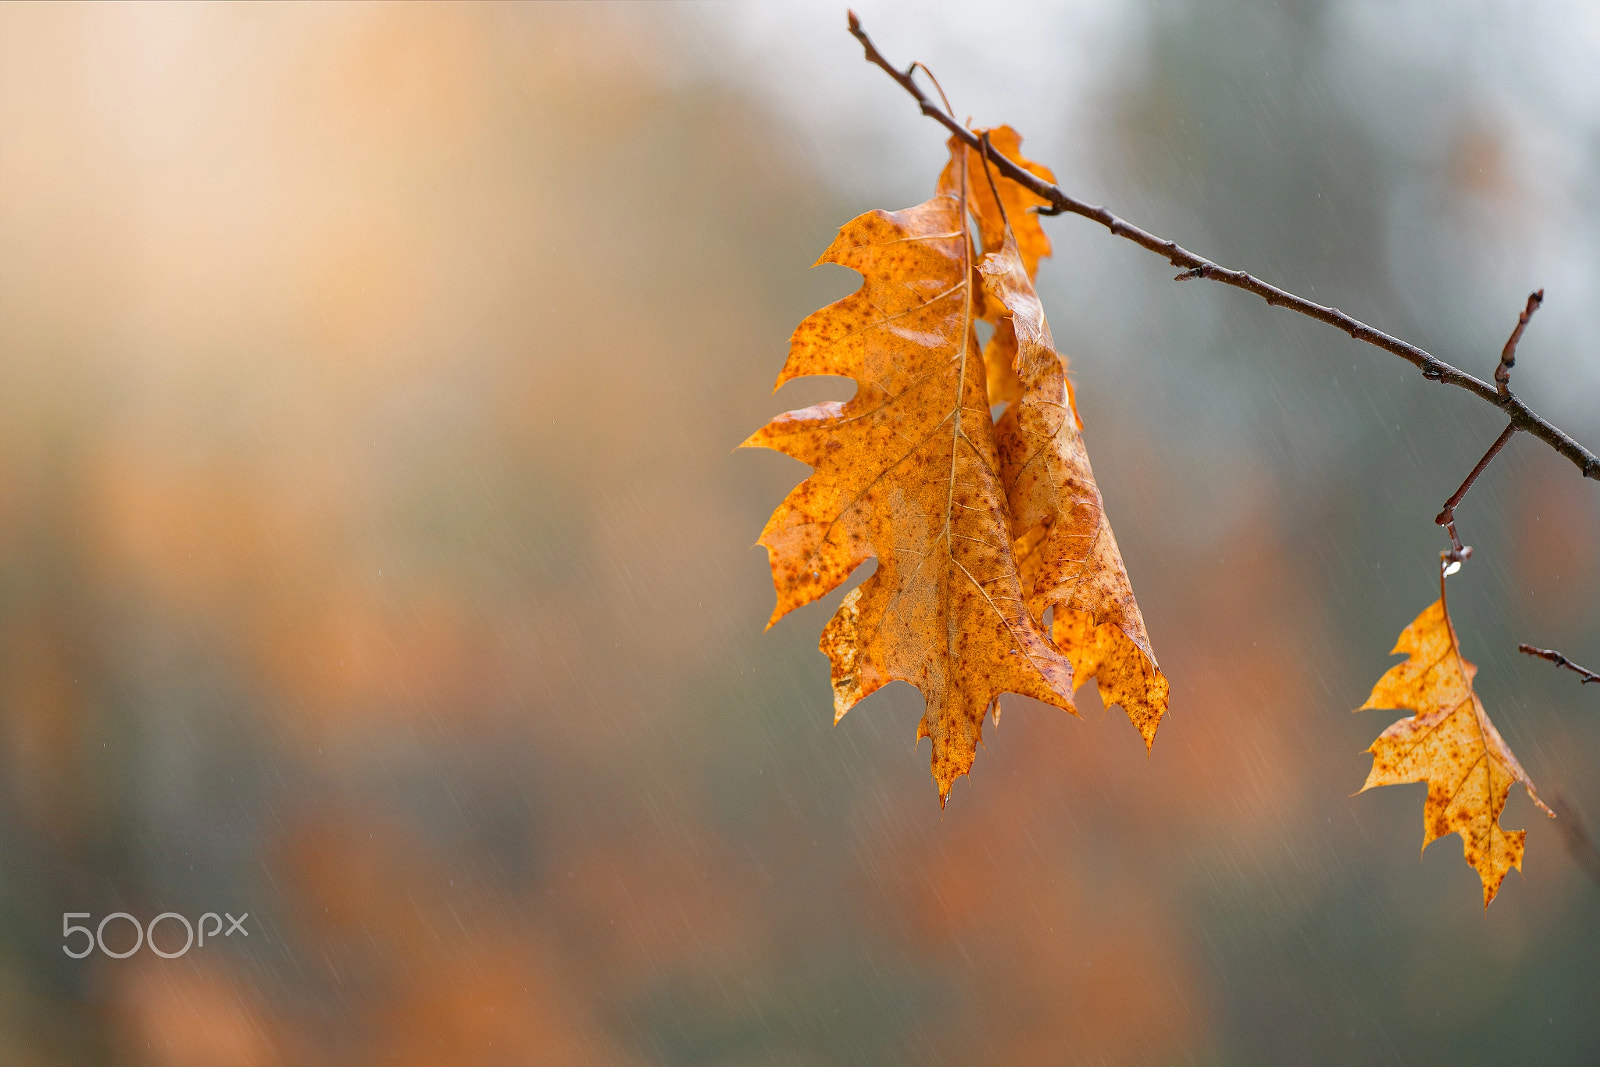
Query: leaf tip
point(1145, 719)
point(1491, 887)
point(1535, 798)
point(778, 612)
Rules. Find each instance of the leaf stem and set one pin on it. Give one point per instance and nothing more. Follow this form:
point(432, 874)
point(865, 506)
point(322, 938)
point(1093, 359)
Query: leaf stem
point(1447, 518)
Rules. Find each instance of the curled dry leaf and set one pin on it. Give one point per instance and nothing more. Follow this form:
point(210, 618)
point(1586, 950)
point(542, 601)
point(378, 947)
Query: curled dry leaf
point(999, 205)
point(1065, 550)
point(907, 470)
point(1449, 743)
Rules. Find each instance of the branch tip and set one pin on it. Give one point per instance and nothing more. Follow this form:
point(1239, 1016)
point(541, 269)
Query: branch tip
point(1508, 354)
point(1559, 660)
point(1434, 369)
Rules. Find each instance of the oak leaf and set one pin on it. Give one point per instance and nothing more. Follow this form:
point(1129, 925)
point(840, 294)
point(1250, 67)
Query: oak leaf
point(1449, 743)
point(907, 470)
point(1066, 552)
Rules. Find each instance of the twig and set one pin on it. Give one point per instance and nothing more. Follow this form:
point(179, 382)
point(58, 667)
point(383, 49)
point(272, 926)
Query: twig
point(1434, 369)
point(1508, 354)
point(1561, 661)
point(1502, 378)
point(1447, 517)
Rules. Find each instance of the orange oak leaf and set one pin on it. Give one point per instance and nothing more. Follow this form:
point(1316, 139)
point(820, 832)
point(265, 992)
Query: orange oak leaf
point(1065, 550)
point(907, 470)
point(1449, 743)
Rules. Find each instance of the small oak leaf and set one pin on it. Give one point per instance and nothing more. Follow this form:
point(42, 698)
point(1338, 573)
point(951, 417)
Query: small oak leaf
point(1449, 743)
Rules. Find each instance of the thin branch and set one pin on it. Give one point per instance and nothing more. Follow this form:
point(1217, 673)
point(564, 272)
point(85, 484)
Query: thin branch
point(1561, 661)
point(1433, 368)
point(1508, 354)
point(1447, 517)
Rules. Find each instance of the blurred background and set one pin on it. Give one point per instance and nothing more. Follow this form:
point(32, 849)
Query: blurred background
point(375, 559)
